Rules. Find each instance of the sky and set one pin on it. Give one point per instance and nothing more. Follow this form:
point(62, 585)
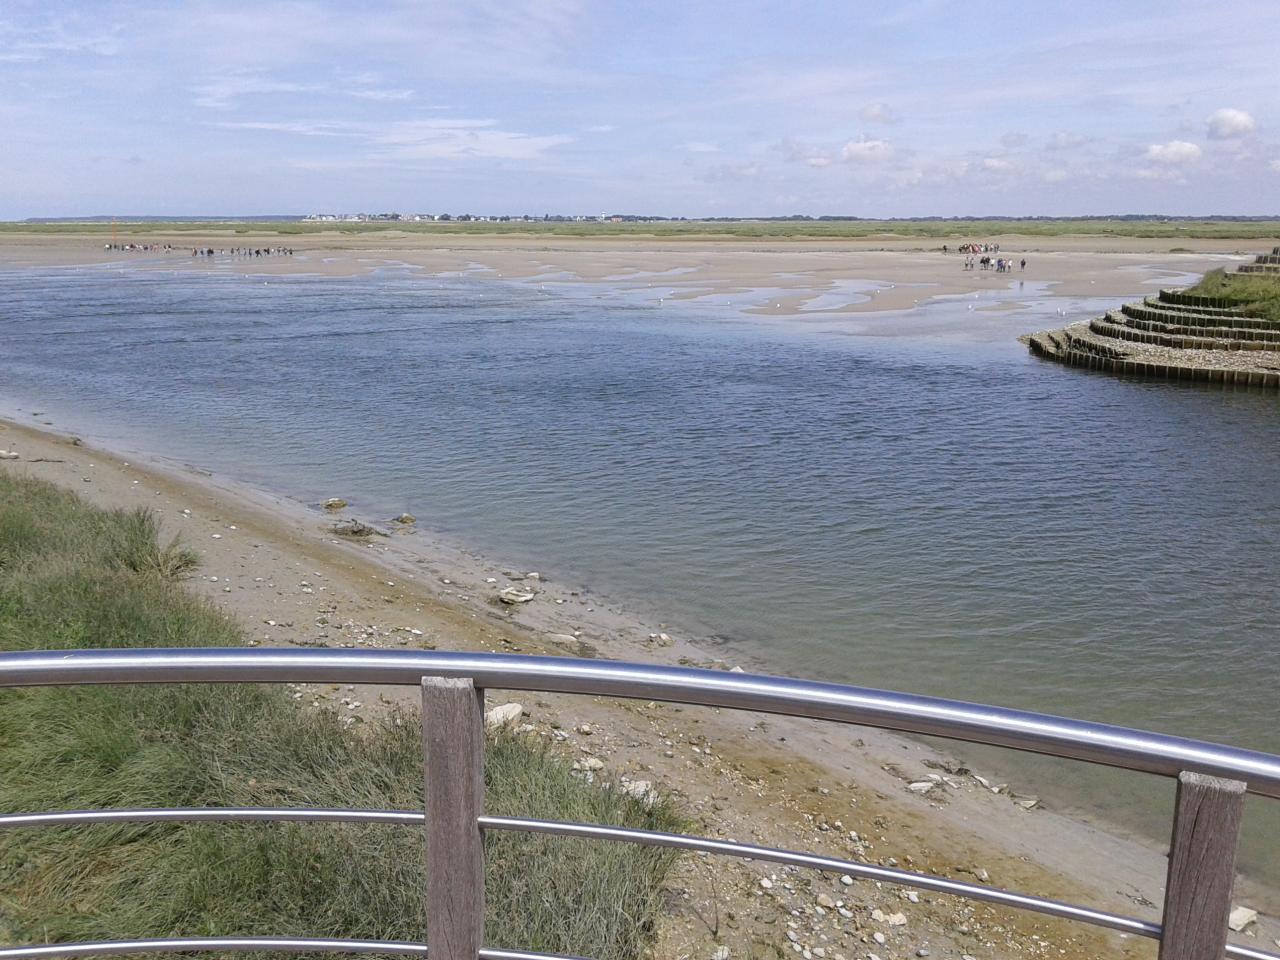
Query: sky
point(707, 108)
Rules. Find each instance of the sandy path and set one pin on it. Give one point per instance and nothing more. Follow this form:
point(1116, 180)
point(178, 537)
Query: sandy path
point(277, 566)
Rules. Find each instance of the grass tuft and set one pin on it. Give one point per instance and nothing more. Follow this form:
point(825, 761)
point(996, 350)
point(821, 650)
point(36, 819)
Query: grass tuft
point(74, 576)
point(1259, 294)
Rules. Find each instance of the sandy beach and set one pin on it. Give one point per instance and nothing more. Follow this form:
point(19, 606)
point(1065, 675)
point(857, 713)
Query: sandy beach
point(279, 567)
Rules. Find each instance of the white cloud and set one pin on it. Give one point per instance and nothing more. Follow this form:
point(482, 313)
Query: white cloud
point(818, 161)
point(222, 93)
point(866, 151)
point(602, 128)
point(732, 171)
point(997, 165)
point(1275, 166)
point(303, 128)
point(383, 96)
point(445, 139)
point(1055, 176)
point(1063, 140)
point(877, 113)
point(1174, 152)
point(698, 146)
point(1228, 123)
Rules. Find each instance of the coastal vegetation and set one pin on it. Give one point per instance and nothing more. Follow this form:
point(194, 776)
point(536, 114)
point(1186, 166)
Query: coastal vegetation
point(1257, 294)
point(72, 576)
point(825, 228)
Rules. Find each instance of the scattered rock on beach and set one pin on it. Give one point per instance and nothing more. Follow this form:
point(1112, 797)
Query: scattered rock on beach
point(406, 518)
point(504, 715)
point(351, 527)
point(8, 455)
point(642, 790)
point(334, 503)
point(1241, 917)
point(515, 595)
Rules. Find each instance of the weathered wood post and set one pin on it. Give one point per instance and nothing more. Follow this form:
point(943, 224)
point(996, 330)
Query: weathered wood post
point(1202, 867)
point(453, 745)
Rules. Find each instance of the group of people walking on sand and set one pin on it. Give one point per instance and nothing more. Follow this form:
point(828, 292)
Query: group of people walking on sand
point(201, 251)
point(244, 252)
point(999, 264)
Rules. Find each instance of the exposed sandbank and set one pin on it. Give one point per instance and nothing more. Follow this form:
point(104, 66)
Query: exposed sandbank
point(803, 278)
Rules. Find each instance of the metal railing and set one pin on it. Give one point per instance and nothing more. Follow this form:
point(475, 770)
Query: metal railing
point(1212, 781)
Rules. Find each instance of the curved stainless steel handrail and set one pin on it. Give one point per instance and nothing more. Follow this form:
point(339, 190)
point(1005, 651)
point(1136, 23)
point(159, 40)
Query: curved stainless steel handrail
point(952, 719)
point(855, 868)
point(201, 944)
point(65, 818)
point(103, 948)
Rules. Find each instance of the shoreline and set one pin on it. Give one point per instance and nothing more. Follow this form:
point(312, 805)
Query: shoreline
point(449, 598)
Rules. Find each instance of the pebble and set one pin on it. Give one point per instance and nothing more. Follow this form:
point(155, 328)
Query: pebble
point(515, 595)
point(1241, 917)
point(766, 883)
point(642, 790)
point(503, 716)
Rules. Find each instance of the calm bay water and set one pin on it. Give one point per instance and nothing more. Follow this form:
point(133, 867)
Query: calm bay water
point(932, 511)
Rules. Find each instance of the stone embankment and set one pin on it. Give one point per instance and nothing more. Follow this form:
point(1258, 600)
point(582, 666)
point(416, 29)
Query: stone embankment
point(1176, 336)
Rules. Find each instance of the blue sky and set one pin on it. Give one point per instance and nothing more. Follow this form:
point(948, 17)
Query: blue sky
point(716, 108)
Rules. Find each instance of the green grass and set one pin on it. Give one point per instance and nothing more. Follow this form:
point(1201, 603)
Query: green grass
point(75, 576)
point(1259, 294)
point(939, 229)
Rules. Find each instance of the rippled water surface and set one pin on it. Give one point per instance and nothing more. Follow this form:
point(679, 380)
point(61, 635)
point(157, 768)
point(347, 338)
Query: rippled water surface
point(932, 511)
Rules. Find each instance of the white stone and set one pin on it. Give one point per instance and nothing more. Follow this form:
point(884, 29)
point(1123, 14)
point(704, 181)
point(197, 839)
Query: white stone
point(921, 786)
point(823, 900)
point(766, 883)
point(504, 715)
point(721, 953)
point(642, 790)
point(515, 595)
point(1241, 917)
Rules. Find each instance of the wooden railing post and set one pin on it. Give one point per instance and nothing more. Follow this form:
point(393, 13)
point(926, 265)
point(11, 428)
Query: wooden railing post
point(453, 746)
point(1202, 867)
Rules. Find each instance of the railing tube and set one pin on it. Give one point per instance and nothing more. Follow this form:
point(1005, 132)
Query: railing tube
point(453, 750)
